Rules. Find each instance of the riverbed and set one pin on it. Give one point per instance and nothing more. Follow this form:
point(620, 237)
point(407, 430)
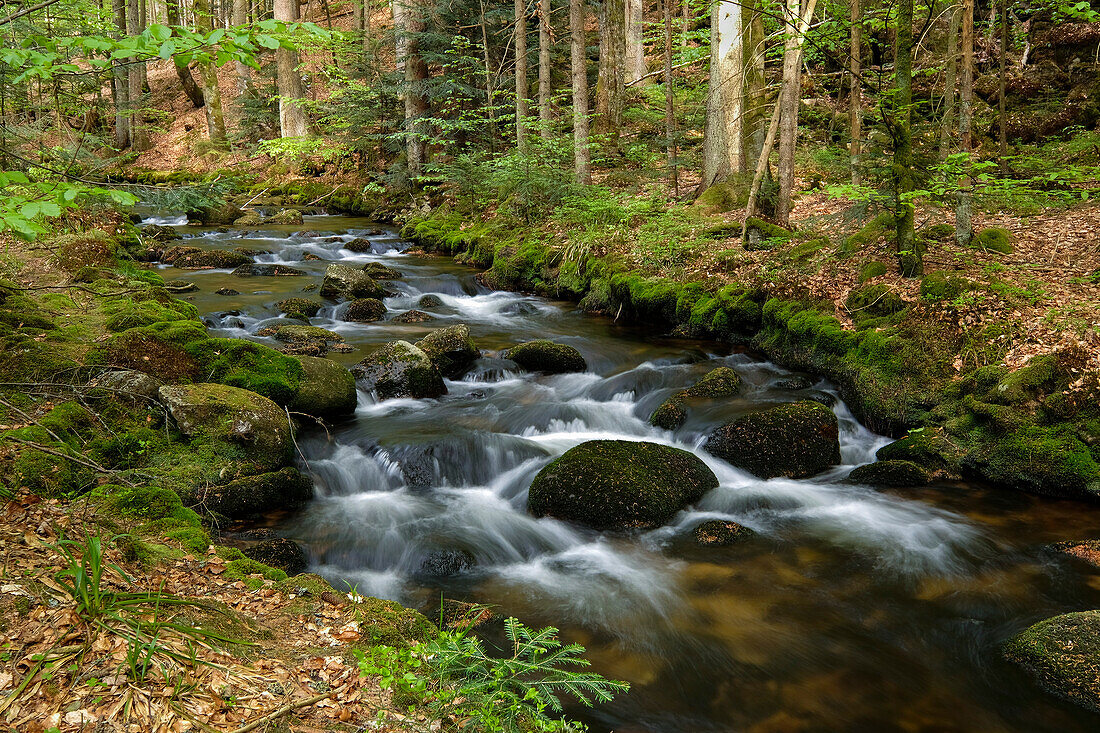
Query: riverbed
point(853, 608)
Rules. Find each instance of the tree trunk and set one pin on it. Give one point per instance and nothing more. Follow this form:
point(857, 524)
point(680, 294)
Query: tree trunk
point(909, 254)
point(545, 117)
point(183, 71)
point(292, 116)
point(416, 100)
point(685, 22)
point(577, 70)
point(208, 77)
point(670, 118)
point(1002, 114)
point(139, 138)
point(521, 74)
point(964, 228)
point(400, 32)
point(244, 74)
point(947, 125)
point(635, 40)
point(755, 124)
point(609, 81)
point(725, 94)
point(789, 94)
point(121, 83)
point(855, 93)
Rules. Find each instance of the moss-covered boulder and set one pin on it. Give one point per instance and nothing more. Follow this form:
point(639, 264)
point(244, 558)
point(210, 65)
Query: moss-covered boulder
point(249, 219)
point(719, 533)
point(286, 555)
point(206, 259)
point(543, 355)
point(286, 216)
point(619, 484)
point(429, 301)
point(890, 473)
point(993, 239)
point(224, 213)
point(364, 310)
point(298, 333)
point(301, 308)
point(940, 285)
point(359, 245)
point(400, 369)
point(128, 384)
point(342, 281)
point(795, 440)
point(381, 272)
point(232, 416)
point(670, 414)
point(262, 270)
point(1041, 460)
point(451, 349)
point(718, 382)
point(249, 496)
point(1063, 655)
point(413, 316)
point(158, 233)
point(326, 390)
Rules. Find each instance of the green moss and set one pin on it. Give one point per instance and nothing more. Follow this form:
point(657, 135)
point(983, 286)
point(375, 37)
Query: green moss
point(1040, 460)
point(796, 440)
point(252, 366)
point(1063, 654)
point(388, 623)
point(993, 239)
point(724, 196)
point(93, 248)
point(871, 232)
point(70, 421)
point(299, 308)
point(1026, 383)
point(543, 355)
point(243, 567)
point(890, 473)
point(670, 414)
point(805, 250)
point(49, 475)
point(768, 230)
point(874, 301)
point(940, 285)
point(126, 313)
point(871, 270)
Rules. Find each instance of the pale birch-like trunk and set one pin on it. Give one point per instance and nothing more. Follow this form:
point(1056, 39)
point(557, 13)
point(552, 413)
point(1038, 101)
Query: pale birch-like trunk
point(789, 94)
point(208, 78)
point(635, 40)
point(855, 93)
point(725, 95)
point(293, 121)
point(244, 74)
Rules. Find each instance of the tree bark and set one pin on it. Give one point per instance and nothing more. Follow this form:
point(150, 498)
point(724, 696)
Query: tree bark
point(244, 74)
point(545, 116)
point(612, 62)
point(725, 94)
point(670, 117)
point(139, 138)
point(400, 32)
point(855, 92)
point(293, 121)
point(909, 254)
point(208, 76)
point(582, 166)
point(521, 74)
point(685, 22)
point(755, 123)
point(183, 71)
point(789, 95)
point(416, 100)
point(1002, 114)
point(947, 126)
point(635, 40)
point(964, 228)
point(121, 83)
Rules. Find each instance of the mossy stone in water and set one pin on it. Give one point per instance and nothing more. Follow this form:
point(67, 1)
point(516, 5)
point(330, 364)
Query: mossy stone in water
point(297, 333)
point(795, 440)
point(327, 389)
point(1063, 655)
point(543, 355)
point(400, 369)
point(263, 270)
point(347, 282)
point(430, 301)
point(619, 484)
point(451, 349)
point(286, 216)
point(232, 416)
point(248, 496)
point(890, 473)
point(413, 316)
point(718, 533)
point(381, 272)
point(718, 382)
point(670, 414)
point(210, 259)
point(301, 308)
point(365, 310)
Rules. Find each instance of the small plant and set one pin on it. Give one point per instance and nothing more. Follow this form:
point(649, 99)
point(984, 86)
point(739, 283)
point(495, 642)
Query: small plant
point(457, 679)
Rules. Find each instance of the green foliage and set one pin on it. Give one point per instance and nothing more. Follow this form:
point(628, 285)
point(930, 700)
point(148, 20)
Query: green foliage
point(454, 675)
point(993, 239)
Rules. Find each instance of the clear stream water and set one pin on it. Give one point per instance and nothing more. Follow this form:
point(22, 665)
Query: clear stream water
point(853, 609)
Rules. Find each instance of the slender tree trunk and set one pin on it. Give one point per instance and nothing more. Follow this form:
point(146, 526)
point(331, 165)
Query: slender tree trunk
point(635, 40)
point(139, 140)
point(755, 124)
point(947, 126)
point(521, 74)
point(122, 84)
point(855, 92)
point(964, 229)
point(789, 95)
point(609, 81)
point(416, 100)
point(490, 86)
point(725, 94)
point(685, 23)
point(293, 121)
point(909, 254)
point(400, 32)
point(208, 77)
point(578, 72)
point(670, 118)
point(183, 71)
point(244, 74)
point(545, 116)
point(1002, 114)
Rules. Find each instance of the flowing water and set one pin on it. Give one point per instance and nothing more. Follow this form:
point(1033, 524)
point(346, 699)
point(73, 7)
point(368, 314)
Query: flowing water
point(853, 609)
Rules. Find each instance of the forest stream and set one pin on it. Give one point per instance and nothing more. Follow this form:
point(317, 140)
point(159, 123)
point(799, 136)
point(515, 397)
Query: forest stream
point(852, 608)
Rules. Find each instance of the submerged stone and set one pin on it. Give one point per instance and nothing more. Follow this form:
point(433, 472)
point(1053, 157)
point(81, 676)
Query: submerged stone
point(619, 484)
point(796, 440)
point(718, 533)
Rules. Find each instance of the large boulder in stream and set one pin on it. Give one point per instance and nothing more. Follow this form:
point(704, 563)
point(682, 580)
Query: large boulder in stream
point(400, 369)
point(239, 419)
point(301, 308)
point(451, 349)
point(378, 271)
point(219, 214)
point(619, 484)
point(264, 270)
point(364, 310)
point(718, 382)
point(208, 259)
point(342, 281)
point(889, 473)
point(250, 496)
point(1063, 655)
point(796, 440)
point(543, 355)
point(327, 389)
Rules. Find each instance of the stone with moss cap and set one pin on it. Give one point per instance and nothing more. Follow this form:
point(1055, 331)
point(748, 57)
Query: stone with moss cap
point(364, 310)
point(993, 239)
point(346, 282)
point(719, 533)
point(451, 349)
point(250, 496)
point(1063, 654)
point(718, 382)
point(301, 308)
point(286, 216)
point(889, 473)
point(619, 484)
point(400, 369)
point(796, 440)
point(381, 272)
point(327, 389)
point(233, 416)
point(543, 355)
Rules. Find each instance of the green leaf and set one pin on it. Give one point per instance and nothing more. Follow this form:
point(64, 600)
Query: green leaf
point(159, 32)
point(167, 50)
